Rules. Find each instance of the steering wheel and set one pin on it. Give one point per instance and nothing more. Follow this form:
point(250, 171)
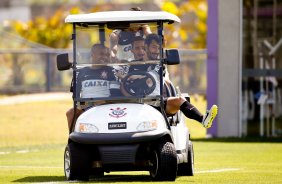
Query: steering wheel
point(139, 83)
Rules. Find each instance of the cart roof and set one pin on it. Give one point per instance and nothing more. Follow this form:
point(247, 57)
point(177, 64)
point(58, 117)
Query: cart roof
point(115, 16)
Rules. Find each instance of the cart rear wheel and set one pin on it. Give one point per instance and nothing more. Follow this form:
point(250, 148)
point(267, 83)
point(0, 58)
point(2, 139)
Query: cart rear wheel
point(187, 169)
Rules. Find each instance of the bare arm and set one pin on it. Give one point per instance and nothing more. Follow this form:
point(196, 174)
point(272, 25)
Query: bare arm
point(113, 45)
point(146, 30)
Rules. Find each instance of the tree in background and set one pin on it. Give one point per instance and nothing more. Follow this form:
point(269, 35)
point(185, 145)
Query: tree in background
point(47, 32)
point(52, 32)
point(191, 33)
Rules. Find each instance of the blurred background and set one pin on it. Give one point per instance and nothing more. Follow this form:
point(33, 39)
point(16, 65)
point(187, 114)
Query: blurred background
point(34, 32)
point(230, 53)
point(230, 56)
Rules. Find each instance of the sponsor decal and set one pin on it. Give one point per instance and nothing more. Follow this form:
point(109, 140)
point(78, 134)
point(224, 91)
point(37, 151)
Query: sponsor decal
point(94, 83)
point(118, 112)
point(117, 125)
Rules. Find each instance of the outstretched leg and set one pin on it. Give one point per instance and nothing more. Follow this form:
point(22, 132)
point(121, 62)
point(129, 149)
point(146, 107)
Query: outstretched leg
point(190, 111)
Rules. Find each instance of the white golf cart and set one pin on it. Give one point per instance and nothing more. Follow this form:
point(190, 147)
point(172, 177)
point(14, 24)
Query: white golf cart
point(124, 133)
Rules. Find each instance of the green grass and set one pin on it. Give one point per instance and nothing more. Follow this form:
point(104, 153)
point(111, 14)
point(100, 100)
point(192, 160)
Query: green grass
point(33, 137)
point(45, 123)
point(33, 123)
point(247, 163)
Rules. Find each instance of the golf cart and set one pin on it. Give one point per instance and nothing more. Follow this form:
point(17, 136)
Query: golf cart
point(124, 133)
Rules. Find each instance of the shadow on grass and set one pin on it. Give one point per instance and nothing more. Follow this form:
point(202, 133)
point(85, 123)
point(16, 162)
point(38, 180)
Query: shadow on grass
point(122, 178)
point(104, 179)
point(35, 179)
point(242, 140)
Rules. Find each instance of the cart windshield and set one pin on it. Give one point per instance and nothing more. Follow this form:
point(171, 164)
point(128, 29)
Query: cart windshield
point(113, 61)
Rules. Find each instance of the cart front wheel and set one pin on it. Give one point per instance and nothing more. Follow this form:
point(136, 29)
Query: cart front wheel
point(164, 163)
point(76, 163)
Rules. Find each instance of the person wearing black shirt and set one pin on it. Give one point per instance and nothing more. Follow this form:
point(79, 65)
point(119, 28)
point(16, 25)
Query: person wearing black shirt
point(97, 81)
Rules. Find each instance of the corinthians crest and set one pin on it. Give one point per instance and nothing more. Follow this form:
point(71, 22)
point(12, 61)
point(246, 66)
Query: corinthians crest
point(118, 112)
point(104, 75)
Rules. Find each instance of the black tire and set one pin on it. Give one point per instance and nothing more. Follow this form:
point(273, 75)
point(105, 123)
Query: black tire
point(97, 174)
point(187, 169)
point(76, 162)
point(164, 163)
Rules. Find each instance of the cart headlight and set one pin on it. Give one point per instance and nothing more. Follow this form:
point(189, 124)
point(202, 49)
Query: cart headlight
point(147, 125)
point(87, 128)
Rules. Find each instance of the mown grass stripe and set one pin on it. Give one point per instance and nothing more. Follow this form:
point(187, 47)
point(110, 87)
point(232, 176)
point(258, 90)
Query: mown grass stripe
point(218, 170)
point(29, 167)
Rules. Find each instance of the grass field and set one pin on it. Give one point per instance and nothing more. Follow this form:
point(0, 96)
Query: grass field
point(37, 123)
point(33, 123)
point(33, 136)
point(216, 162)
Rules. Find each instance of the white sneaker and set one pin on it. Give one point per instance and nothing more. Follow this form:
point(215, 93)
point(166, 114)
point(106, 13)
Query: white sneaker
point(209, 116)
